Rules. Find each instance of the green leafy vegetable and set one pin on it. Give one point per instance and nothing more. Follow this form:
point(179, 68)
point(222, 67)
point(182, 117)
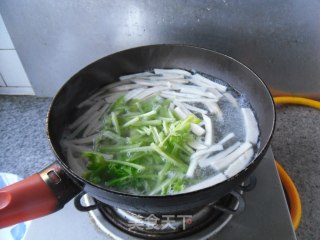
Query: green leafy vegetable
point(142, 148)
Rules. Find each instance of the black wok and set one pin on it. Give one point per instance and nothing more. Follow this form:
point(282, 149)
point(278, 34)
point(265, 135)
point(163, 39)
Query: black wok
point(49, 190)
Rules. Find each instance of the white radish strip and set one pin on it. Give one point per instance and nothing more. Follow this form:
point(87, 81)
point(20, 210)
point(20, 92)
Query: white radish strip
point(192, 167)
point(180, 113)
point(103, 96)
point(217, 157)
point(149, 92)
point(226, 138)
point(85, 140)
point(174, 80)
point(136, 75)
point(114, 97)
point(193, 108)
point(96, 127)
point(94, 124)
point(92, 98)
point(86, 114)
point(76, 164)
point(169, 96)
point(82, 126)
point(102, 110)
point(172, 71)
point(169, 75)
point(170, 78)
point(111, 94)
point(210, 95)
point(182, 107)
point(217, 110)
point(100, 94)
point(197, 130)
point(198, 78)
point(208, 151)
point(186, 95)
point(219, 87)
point(239, 164)
point(203, 100)
point(251, 125)
point(125, 87)
point(177, 94)
point(209, 130)
point(91, 128)
point(78, 148)
point(226, 161)
point(115, 84)
point(197, 91)
point(88, 101)
point(214, 108)
point(231, 99)
point(151, 83)
point(133, 93)
point(191, 89)
point(220, 177)
point(215, 92)
point(199, 83)
point(209, 107)
point(197, 144)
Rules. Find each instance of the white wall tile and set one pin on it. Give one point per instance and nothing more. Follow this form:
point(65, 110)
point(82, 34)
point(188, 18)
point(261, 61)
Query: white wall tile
point(5, 40)
point(11, 69)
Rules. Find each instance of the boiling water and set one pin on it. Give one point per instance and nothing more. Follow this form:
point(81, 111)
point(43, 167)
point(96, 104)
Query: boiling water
point(232, 122)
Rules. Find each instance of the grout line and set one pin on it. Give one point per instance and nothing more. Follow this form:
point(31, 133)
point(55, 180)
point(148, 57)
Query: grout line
point(2, 78)
point(16, 91)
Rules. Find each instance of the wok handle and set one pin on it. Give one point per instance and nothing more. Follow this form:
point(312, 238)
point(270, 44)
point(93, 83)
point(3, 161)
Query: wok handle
point(25, 200)
point(36, 196)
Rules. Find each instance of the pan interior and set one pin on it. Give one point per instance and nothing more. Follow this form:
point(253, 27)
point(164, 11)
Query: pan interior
point(107, 70)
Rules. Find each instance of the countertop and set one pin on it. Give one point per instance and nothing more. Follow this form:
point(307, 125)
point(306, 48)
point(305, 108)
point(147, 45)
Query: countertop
point(24, 148)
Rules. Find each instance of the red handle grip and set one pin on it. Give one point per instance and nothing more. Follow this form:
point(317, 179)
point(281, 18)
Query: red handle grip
point(28, 199)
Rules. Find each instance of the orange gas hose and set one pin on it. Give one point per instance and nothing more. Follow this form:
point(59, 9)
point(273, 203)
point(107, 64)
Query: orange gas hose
point(293, 195)
point(290, 188)
point(297, 100)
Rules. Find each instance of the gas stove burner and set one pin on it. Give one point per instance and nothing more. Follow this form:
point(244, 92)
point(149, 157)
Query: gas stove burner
point(200, 223)
point(168, 226)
